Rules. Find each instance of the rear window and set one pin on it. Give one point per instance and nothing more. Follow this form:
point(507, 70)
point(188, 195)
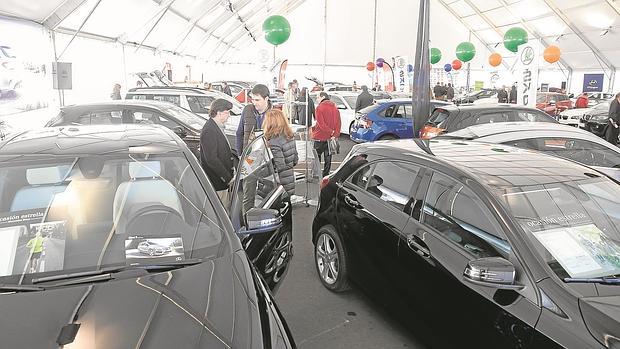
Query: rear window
point(438, 117)
point(368, 109)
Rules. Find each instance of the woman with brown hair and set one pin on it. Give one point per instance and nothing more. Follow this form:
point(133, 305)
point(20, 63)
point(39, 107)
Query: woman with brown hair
point(280, 139)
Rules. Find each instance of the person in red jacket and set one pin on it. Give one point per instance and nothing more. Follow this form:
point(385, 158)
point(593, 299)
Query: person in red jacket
point(582, 101)
point(327, 126)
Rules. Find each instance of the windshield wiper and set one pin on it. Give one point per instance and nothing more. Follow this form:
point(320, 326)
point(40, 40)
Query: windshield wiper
point(602, 280)
point(20, 288)
point(106, 273)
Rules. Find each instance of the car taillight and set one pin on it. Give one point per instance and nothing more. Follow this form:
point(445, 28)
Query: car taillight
point(429, 132)
point(324, 182)
point(365, 122)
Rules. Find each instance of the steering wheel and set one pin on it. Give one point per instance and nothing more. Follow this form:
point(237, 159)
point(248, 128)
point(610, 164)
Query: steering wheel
point(149, 214)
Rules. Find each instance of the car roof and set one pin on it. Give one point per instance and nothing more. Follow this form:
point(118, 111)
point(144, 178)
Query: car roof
point(173, 89)
point(483, 107)
point(493, 165)
point(517, 130)
point(122, 103)
point(408, 100)
point(89, 140)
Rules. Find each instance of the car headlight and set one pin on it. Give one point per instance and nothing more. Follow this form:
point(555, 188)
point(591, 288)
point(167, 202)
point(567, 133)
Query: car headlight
point(599, 118)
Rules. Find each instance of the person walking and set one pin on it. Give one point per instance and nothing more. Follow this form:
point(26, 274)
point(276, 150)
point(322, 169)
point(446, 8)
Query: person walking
point(226, 88)
point(450, 93)
point(437, 91)
point(289, 107)
point(303, 109)
point(502, 95)
point(116, 92)
point(582, 101)
point(611, 133)
point(327, 127)
point(279, 136)
point(364, 99)
point(513, 94)
point(216, 156)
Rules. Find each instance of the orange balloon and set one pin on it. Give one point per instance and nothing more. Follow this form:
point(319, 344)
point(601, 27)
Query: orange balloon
point(495, 59)
point(552, 54)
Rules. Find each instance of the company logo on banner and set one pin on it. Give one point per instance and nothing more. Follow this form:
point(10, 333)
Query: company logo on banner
point(401, 73)
point(593, 82)
point(526, 71)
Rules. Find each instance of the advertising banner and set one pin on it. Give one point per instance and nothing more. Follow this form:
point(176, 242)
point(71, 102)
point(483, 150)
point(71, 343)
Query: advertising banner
point(400, 70)
point(526, 70)
point(593, 82)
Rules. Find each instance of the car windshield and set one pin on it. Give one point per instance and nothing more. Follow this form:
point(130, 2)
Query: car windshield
point(602, 106)
point(67, 214)
point(192, 120)
point(541, 98)
point(439, 116)
point(574, 223)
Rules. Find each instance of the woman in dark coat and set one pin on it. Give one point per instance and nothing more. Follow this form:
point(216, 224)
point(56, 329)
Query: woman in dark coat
point(280, 138)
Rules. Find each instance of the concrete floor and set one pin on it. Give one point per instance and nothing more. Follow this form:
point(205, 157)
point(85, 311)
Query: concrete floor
point(321, 319)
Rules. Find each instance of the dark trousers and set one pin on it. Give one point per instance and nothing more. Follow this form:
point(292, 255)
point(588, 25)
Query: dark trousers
point(611, 134)
point(322, 147)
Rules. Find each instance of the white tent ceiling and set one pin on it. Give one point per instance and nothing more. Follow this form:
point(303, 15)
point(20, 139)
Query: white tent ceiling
point(587, 31)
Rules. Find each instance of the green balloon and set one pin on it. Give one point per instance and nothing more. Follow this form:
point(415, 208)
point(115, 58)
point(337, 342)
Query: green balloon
point(514, 37)
point(435, 55)
point(277, 29)
point(465, 51)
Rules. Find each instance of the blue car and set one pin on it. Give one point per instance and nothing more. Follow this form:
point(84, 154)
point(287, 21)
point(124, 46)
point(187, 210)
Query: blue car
point(387, 119)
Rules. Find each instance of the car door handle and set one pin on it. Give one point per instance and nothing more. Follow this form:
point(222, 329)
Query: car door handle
point(349, 200)
point(418, 247)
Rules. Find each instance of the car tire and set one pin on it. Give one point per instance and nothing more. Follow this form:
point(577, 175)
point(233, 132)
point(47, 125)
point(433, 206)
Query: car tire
point(387, 138)
point(331, 260)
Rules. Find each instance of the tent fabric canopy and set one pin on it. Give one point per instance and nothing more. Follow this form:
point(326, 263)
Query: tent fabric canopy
point(587, 31)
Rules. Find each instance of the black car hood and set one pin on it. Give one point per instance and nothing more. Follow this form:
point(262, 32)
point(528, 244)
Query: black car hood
point(209, 305)
point(602, 317)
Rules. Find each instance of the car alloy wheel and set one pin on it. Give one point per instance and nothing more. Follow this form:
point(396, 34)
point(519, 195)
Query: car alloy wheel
point(330, 258)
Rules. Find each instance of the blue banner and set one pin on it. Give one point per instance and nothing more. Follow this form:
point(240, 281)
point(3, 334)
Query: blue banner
point(593, 82)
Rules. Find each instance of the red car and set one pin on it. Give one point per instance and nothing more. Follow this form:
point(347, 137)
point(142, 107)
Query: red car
point(553, 103)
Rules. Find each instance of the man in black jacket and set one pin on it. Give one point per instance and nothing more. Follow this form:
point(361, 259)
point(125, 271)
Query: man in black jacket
point(611, 134)
point(364, 100)
point(216, 157)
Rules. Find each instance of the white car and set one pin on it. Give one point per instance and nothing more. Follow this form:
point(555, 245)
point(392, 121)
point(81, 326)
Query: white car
point(195, 99)
point(575, 117)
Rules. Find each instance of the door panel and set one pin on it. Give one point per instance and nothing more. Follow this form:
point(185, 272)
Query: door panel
point(455, 228)
point(370, 208)
point(257, 185)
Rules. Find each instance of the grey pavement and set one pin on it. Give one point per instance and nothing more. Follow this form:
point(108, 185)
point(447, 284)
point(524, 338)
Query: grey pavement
point(320, 318)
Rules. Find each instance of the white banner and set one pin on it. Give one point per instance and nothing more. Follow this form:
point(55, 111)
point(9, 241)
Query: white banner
point(400, 72)
point(526, 70)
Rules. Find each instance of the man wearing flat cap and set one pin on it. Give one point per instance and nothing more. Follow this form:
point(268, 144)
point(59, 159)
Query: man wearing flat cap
point(216, 157)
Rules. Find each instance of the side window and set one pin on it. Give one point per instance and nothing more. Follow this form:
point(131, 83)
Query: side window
point(465, 119)
point(409, 110)
point(139, 97)
point(338, 102)
point(174, 99)
point(100, 118)
point(399, 111)
point(461, 217)
point(585, 152)
point(532, 117)
point(360, 178)
point(387, 112)
point(199, 104)
point(488, 118)
point(392, 182)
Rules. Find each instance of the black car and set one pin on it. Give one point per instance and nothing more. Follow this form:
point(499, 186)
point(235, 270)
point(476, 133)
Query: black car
point(450, 118)
point(185, 124)
point(476, 95)
point(108, 190)
point(480, 245)
point(596, 119)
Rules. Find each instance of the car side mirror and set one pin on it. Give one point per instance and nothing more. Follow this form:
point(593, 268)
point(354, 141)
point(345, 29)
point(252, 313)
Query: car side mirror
point(495, 272)
point(261, 220)
point(180, 131)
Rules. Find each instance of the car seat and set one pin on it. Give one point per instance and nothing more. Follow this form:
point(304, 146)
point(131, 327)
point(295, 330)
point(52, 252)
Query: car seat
point(145, 188)
point(43, 184)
